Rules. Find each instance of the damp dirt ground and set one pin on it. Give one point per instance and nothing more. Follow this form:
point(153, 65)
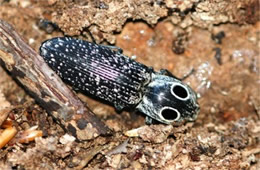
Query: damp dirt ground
point(218, 50)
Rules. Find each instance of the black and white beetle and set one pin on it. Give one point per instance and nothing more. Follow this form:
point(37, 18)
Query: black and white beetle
point(109, 75)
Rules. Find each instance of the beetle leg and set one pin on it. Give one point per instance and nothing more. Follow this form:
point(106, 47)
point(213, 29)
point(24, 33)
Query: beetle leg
point(168, 73)
point(117, 49)
point(188, 74)
point(118, 107)
point(148, 120)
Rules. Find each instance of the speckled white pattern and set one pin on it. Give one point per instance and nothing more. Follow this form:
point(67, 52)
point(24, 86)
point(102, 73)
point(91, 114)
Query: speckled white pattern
point(97, 70)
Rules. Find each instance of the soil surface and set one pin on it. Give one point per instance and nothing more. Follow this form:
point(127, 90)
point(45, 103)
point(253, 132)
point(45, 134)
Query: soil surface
point(214, 42)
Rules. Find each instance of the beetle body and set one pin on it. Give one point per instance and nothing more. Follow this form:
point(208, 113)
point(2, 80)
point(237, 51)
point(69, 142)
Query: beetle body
point(109, 75)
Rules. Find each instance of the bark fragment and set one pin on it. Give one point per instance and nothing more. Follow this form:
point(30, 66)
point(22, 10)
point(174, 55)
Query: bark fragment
point(45, 86)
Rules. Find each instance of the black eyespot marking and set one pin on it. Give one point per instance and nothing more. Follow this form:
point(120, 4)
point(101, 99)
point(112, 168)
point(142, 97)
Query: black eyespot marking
point(180, 92)
point(170, 114)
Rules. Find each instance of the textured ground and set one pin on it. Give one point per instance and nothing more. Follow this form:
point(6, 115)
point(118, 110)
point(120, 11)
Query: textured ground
point(176, 35)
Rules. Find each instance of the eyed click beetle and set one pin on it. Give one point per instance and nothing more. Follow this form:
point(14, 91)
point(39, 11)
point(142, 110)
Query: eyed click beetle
point(109, 75)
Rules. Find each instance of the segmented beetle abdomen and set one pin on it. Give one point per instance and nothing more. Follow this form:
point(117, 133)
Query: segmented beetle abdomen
point(97, 70)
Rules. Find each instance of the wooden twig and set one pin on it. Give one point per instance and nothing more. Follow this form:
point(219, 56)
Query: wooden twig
point(46, 87)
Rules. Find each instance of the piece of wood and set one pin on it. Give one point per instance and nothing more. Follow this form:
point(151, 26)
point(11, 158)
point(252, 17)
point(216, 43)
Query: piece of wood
point(46, 87)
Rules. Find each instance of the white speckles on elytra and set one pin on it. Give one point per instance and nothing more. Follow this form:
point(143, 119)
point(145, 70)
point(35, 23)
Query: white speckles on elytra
point(97, 70)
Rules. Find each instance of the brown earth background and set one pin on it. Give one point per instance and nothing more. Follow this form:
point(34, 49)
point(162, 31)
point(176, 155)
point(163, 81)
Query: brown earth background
point(172, 34)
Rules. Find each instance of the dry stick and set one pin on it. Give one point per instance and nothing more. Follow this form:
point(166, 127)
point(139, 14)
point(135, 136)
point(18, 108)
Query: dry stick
point(46, 87)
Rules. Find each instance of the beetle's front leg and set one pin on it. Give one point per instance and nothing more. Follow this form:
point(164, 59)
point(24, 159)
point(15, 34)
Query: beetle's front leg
point(149, 120)
point(168, 73)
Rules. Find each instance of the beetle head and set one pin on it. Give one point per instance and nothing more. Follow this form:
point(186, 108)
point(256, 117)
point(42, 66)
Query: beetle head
point(168, 100)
